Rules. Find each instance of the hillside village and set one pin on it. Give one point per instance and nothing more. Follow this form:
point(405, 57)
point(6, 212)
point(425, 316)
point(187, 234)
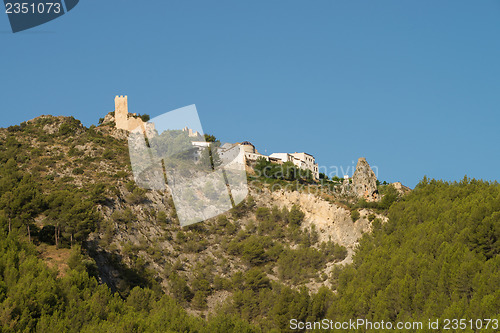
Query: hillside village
point(131, 122)
point(363, 183)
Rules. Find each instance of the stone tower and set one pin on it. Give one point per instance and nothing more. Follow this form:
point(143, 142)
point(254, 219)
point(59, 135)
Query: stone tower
point(130, 122)
point(121, 112)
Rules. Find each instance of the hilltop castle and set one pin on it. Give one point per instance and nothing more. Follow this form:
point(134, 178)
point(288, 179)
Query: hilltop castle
point(129, 121)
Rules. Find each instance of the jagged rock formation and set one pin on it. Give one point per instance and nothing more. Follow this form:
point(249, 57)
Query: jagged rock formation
point(364, 181)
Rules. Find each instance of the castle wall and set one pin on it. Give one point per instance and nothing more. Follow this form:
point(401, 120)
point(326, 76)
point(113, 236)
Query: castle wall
point(134, 123)
point(248, 149)
point(124, 122)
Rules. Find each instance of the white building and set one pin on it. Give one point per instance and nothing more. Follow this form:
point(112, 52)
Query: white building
point(284, 157)
point(248, 149)
point(305, 161)
point(301, 160)
point(200, 146)
point(228, 152)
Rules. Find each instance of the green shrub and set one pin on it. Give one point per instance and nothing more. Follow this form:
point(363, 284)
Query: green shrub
point(137, 196)
point(333, 251)
point(262, 213)
point(67, 179)
point(181, 236)
point(121, 174)
point(256, 279)
point(73, 152)
point(130, 186)
point(355, 215)
point(296, 216)
point(179, 288)
point(108, 154)
point(239, 210)
point(69, 126)
point(123, 216)
point(161, 217)
point(389, 196)
point(195, 246)
point(300, 264)
point(253, 251)
point(78, 171)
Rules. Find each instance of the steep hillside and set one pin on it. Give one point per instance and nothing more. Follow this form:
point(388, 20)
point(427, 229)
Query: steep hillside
point(85, 249)
point(64, 185)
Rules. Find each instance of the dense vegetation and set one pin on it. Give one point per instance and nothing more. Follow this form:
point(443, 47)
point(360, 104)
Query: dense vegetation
point(33, 298)
point(437, 257)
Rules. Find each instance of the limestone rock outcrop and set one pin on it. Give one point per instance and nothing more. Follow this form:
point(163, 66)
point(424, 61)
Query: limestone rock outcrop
point(364, 181)
point(332, 221)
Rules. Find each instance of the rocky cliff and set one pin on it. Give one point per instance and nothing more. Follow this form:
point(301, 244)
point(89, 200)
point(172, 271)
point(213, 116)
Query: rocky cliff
point(332, 221)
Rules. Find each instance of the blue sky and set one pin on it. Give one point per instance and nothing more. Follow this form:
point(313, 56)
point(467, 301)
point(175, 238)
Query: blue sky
point(412, 86)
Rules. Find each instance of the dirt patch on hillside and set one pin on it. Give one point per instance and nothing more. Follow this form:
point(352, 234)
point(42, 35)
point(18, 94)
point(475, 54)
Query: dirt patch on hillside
point(56, 258)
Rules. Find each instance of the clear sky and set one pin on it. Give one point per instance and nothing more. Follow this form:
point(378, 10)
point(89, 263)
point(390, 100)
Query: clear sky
point(413, 86)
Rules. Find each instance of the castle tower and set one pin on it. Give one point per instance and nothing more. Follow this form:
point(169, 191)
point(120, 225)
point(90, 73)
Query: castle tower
point(121, 112)
point(132, 123)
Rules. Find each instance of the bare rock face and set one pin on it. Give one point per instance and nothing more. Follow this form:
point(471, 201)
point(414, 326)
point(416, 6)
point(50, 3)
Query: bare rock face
point(332, 221)
point(108, 118)
point(364, 181)
point(108, 127)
